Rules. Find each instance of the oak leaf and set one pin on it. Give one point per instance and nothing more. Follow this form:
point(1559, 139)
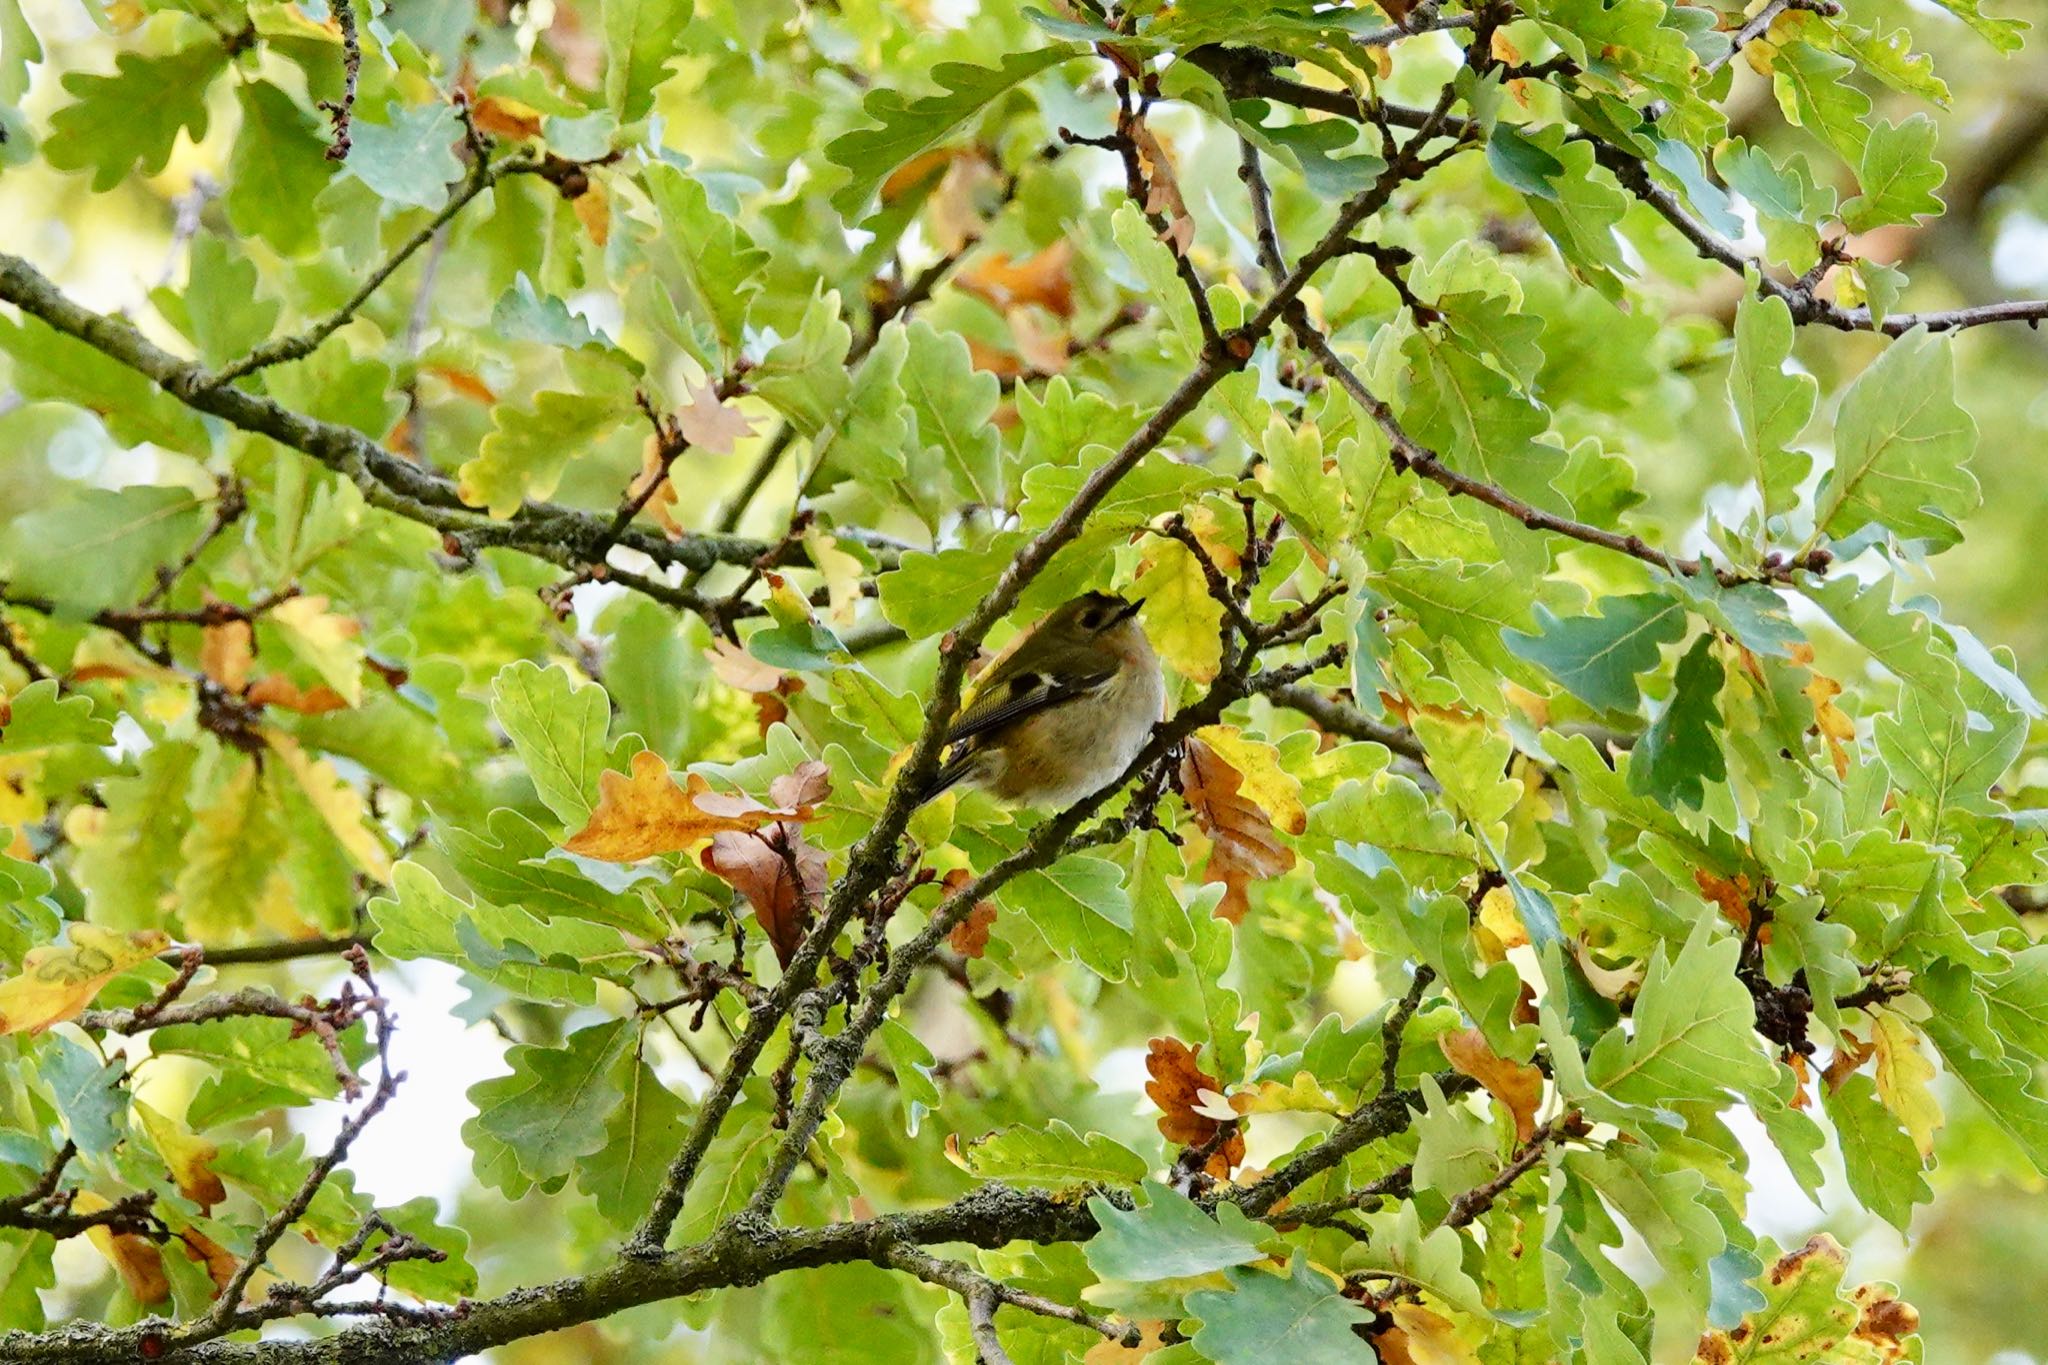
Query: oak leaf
point(57, 982)
point(278, 690)
point(781, 875)
point(1238, 808)
point(1177, 1087)
point(1517, 1086)
point(711, 424)
point(189, 1156)
point(134, 1256)
point(225, 653)
point(970, 936)
point(647, 814)
point(1042, 278)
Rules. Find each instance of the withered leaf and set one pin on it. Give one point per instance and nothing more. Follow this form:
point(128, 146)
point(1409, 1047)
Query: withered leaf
point(647, 814)
point(781, 875)
point(1245, 847)
point(1176, 1087)
point(1517, 1086)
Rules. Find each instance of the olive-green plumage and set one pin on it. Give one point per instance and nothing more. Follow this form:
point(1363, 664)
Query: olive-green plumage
point(1063, 713)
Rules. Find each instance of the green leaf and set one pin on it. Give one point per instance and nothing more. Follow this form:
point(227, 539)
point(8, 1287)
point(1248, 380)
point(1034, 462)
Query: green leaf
point(42, 717)
point(1080, 906)
point(1433, 1263)
point(529, 447)
point(1301, 1317)
point(101, 547)
point(639, 38)
point(1877, 1153)
point(557, 961)
point(1168, 1237)
point(2006, 35)
point(1597, 657)
point(911, 1062)
point(1771, 406)
point(910, 126)
point(1681, 751)
point(1521, 164)
point(1788, 201)
point(88, 1092)
point(1694, 1031)
point(558, 726)
point(409, 160)
point(641, 1137)
point(25, 1256)
point(279, 166)
point(537, 1125)
point(1815, 93)
point(952, 402)
point(714, 257)
point(1053, 1155)
point(130, 119)
point(1899, 175)
point(228, 853)
point(1945, 759)
point(1456, 1148)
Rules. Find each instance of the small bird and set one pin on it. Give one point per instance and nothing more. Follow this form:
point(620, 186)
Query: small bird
point(1063, 712)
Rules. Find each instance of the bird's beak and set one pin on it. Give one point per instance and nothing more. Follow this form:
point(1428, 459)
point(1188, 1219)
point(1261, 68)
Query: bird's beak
point(1127, 611)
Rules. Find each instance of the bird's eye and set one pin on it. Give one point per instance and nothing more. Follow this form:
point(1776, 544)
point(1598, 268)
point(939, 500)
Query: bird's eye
point(1091, 619)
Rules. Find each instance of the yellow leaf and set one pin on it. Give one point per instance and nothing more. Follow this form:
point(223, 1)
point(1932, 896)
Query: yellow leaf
point(57, 982)
point(1180, 617)
point(339, 804)
point(1432, 1338)
point(1834, 723)
point(1301, 1095)
point(645, 814)
point(593, 209)
point(188, 1155)
point(1275, 791)
point(842, 573)
point(1498, 916)
point(141, 1267)
point(225, 653)
point(326, 641)
point(1902, 1079)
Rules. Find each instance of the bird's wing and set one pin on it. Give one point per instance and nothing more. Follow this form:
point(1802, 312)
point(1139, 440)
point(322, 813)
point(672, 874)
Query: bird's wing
point(1021, 695)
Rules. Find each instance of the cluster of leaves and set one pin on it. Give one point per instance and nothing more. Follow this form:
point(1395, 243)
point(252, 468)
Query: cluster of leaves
point(381, 588)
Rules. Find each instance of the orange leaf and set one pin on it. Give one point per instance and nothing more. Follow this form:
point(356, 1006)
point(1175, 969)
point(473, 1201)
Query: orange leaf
point(225, 653)
point(916, 171)
point(781, 875)
point(464, 382)
point(278, 690)
point(1176, 1087)
point(506, 117)
point(1732, 895)
point(1831, 720)
point(645, 814)
point(1245, 848)
point(1852, 1053)
point(654, 470)
point(1518, 1087)
point(1042, 278)
point(1001, 364)
point(970, 936)
point(594, 210)
point(221, 1264)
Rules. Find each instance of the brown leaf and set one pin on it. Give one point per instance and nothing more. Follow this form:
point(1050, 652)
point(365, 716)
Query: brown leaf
point(1164, 196)
point(1176, 1087)
point(970, 936)
point(278, 690)
point(221, 1264)
point(916, 171)
point(781, 875)
point(1002, 364)
point(1852, 1053)
point(1042, 278)
point(135, 1257)
point(646, 814)
point(661, 502)
point(1517, 1086)
point(225, 653)
point(1245, 848)
point(808, 785)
